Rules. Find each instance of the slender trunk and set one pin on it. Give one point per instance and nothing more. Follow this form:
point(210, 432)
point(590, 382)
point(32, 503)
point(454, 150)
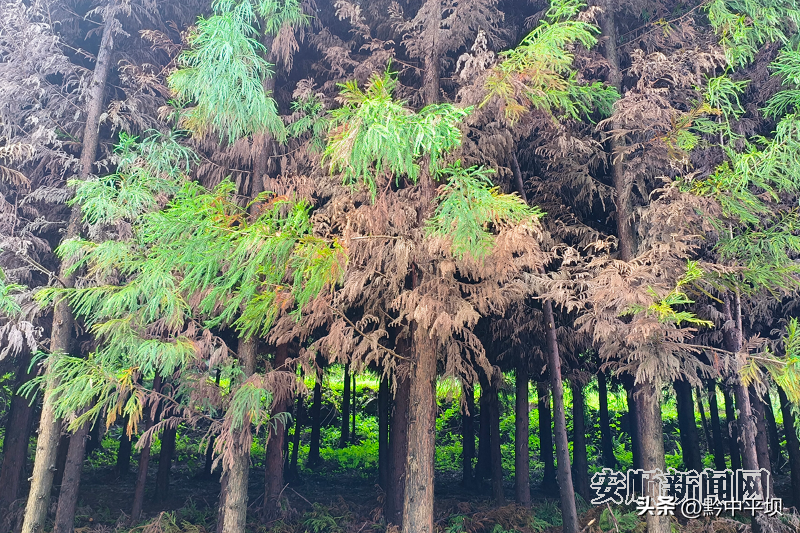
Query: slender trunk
point(467, 434)
point(210, 456)
point(274, 462)
point(703, 419)
point(144, 463)
point(124, 450)
point(418, 496)
point(772, 432)
point(63, 320)
point(733, 432)
point(61, 459)
point(546, 436)
point(482, 468)
point(353, 409)
point(496, 458)
point(430, 74)
point(648, 407)
point(17, 438)
point(762, 444)
point(569, 512)
point(792, 444)
point(168, 437)
point(316, 422)
point(606, 444)
point(522, 460)
point(716, 429)
point(746, 420)
point(298, 427)
point(383, 433)
point(688, 426)
point(70, 485)
point(580, 461)
point(345, 436)
point(633, 425)
point(398, 446)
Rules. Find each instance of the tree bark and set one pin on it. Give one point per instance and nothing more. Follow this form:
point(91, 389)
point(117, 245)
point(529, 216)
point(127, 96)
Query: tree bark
point(580, 461)
point(398, 447)
point(345, 436)
point(124, 450)
point(144, 463)
point(63, 320)
point(70, 484)
point(606, 444)
point(430, 74)
point(546, 436)
point(690, 442)
point(418, 497)
point(383, 433)
point(273, 484)
point(569, 511)
point(716, 429)
point(648, 408)
point(483, 466)
point(17, 439)
point(792, 444)
point(61, 459)
point(633, 425)
point(522, 459)
point(703, 420)
point(168, 437)
point(353, 409)
point(762, 444)
point(772, 433)
point(498, 495)
point(468, 434)
point(316, 422)
point(733, 432)
point(298, 427)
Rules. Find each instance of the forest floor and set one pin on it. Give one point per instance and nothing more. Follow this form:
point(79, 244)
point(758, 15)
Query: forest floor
point(342, 502)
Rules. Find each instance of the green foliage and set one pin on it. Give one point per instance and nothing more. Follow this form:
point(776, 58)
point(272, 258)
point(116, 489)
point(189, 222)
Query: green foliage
point(787, 66)
point(469, 206)
point(744, 25)
point(373, 135)
point(146, 171)
point(620, 522)
point(311, 119)
point(222, 73)
point(539, 72)
point(8, 304)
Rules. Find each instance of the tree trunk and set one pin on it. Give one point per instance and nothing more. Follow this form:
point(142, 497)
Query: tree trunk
point(168, 437)
point(772, 432)
point(483, 466)
point(648, 408)
point(606, 444)
point(63, 320)
point(634, 424)
point(792, 444)
point(580, 461)
point(430, 73)
point(546, 436)
point(522, 460)
point(498, 494)
point(418, 498)
point(274, 462)
point(144, 463)
point(398, 447)
point(353, 409)
point(345, 436)
point(703, 420)
point(569, 512)
point(124, 450)
point(17, 439)
point(61, 459)
point(733, 432)
point(716, 429)
point(298, 427)
point(316, 422)
point(467, 434)
point(70, 485)
point(234, 509)
point(762, 444)
point(690, 442)
point(383, 433)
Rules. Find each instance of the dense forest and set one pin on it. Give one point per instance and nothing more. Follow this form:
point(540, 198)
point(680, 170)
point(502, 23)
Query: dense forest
point(418, 266)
